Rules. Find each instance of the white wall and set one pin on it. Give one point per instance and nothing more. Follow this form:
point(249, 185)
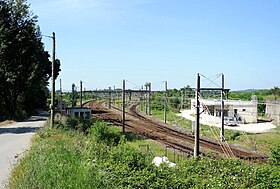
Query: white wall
point(273, 110)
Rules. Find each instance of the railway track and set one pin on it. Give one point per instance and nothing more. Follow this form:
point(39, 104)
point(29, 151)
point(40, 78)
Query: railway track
point(140, 124)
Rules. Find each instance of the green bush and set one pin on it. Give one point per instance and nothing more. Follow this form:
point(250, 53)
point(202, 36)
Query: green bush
point(234, 135)
point(78, 123)
point(275, 155)
point(104, 133)
point(102, 159)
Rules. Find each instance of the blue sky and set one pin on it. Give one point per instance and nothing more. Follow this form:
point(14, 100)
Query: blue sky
point(102, 42)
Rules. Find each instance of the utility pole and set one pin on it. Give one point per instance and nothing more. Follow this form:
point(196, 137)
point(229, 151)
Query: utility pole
point(114, 96)
point(73, 94)
point(129, 97)
point(141, 98)
point(118, 99)
point(182, 100)
point(110, 97)
point(148, 98)
point(165, 100)
point(53, 83)
point(81, 94)
point(60, 96)
point(146, 88)
point(222, 110)
point(196, 145)
point(123, 107)
point(223, 90)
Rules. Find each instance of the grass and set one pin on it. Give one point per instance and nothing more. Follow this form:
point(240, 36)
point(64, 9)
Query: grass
point(155, 149)
point(53, 162)
point(63, 158)
point(262, 142)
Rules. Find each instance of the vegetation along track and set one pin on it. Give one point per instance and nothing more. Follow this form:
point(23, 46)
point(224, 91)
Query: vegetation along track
point(160, 132)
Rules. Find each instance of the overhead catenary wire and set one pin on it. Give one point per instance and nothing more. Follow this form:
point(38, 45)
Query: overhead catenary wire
point(224, 145)
point(210, 79)
point(136, 86)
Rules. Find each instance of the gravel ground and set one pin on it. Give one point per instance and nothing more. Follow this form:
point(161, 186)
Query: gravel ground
point(214, 121)
point(15, 140)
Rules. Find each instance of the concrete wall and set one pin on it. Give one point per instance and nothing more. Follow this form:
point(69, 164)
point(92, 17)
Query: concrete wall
point(244, 111)
point(79, 112)
point(272, 110)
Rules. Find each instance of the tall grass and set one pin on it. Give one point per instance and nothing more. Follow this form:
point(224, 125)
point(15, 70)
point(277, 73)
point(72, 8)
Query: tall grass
point(63, 158)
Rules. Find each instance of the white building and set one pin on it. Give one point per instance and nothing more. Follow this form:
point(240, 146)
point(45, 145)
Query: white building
point(272, 110)
point(242, 111)
point(79, 112)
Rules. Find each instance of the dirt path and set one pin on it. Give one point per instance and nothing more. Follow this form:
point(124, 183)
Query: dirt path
point(15, 139)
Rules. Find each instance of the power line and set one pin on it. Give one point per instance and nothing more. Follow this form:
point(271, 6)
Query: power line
point(209, 79)
point(136, 86)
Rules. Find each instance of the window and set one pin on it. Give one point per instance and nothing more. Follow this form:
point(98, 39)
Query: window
point(243, 110)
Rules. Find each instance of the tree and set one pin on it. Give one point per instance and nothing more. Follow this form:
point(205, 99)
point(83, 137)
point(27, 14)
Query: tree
point(275, 92)
point(24, 65)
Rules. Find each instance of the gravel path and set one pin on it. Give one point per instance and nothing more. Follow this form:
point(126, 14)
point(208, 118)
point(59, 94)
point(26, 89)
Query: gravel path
point(15, 139)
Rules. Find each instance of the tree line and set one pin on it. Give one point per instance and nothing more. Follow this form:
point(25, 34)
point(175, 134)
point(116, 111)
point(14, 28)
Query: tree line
point(24, 64)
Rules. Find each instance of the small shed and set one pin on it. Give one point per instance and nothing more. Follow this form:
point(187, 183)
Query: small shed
point(79, 112)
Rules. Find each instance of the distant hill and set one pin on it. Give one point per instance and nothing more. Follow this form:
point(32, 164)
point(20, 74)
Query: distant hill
point(248, 90)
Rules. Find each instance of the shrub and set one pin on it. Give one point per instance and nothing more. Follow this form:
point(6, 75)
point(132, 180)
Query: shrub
point(104, 133)
point(275, 155)
point(234, 135)
point(78, 123)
